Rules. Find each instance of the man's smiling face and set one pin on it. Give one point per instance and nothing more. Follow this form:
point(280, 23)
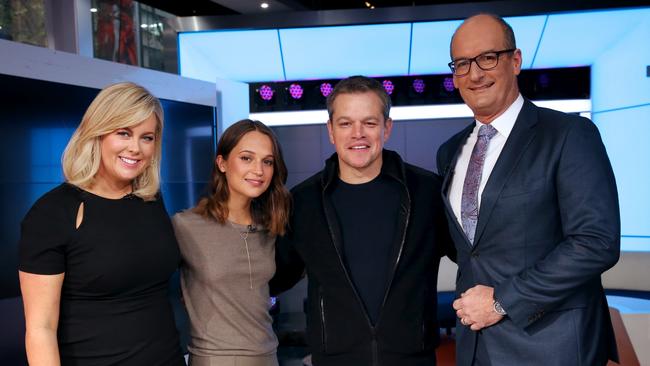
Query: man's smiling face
point(487, 93)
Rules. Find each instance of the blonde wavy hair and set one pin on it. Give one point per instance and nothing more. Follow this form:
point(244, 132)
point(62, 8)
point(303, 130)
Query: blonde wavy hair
point(118, 106)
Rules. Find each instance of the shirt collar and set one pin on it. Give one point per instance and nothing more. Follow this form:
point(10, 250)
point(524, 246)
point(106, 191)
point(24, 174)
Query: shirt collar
point(506, 121)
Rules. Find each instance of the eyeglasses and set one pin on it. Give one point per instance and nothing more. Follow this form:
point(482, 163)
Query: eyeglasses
point(485, 61)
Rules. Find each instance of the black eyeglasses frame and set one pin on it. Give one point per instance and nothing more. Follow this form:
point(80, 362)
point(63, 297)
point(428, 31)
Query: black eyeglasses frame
point(452, 66)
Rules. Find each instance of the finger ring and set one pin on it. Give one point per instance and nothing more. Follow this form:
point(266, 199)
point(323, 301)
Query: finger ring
point(462, 321)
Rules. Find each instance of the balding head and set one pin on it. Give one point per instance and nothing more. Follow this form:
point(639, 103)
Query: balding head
point(507, 32)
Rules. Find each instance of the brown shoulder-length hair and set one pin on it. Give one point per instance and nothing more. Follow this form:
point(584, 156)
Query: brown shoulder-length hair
point(271, 208)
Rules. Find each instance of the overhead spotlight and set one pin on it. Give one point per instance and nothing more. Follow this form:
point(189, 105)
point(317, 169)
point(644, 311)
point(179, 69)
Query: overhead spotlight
point(448, 84)
point(0, 27)
point(388, 86)
point(326, 89)
point(93, 10)
point(144, 25)
point(418, 86)
point(266, 92)
point(295, 90)
point(264, 5)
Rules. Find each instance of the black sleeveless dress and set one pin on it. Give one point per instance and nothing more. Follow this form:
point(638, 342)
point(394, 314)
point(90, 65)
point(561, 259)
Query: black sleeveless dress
point(117, 265)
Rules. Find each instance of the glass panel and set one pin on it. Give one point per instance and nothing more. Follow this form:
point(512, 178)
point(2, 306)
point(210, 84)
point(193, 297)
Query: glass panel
point(152, 25)
point(114, 31)
point(132, 33)
point(23, 21)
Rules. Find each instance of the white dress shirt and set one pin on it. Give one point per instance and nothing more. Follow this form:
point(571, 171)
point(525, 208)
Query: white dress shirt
point(503, 124)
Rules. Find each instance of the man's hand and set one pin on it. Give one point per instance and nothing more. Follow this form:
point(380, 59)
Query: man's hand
point(475, 308)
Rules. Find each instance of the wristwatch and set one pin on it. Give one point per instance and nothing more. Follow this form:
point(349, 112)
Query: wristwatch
point(498, 308)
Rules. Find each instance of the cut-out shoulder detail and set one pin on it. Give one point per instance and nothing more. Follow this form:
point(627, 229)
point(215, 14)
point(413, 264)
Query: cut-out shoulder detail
point(80, 215)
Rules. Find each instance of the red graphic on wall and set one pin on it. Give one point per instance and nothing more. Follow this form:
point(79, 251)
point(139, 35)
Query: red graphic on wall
point(115, 37)
point(105, 31)
point(126, 52)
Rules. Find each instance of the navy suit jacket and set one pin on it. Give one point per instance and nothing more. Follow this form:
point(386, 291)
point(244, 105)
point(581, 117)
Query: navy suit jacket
point(548, 226)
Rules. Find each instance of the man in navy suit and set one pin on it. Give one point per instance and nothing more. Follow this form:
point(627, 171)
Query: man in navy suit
point(533, 211)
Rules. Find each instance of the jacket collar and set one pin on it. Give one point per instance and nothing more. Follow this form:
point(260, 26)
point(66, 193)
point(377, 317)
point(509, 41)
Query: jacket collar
point(392, 166)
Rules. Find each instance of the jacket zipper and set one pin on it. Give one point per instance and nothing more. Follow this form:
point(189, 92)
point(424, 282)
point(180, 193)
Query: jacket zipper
point(322, 319)
point(375, 350)
point(423, 335)
point(401, 248)
point(345, 271)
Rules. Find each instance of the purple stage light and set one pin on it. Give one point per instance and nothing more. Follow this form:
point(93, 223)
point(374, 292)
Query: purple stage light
point(388, 86)
point(448, 83)
point(544, 80)
point(295, 90)
point(266, 92)
point(418, 86)
point(326, 89)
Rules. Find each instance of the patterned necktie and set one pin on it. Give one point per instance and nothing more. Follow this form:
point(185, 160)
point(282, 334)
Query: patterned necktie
point(469, 202)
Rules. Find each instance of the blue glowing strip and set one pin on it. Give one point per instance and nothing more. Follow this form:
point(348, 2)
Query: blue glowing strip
point(408, 72)
point(622, 108)
point(628, 304)
point(284, 72)
point(635, 243)
point(215, 130)
point(178, 54)
point(635, 236)
point(539, 42)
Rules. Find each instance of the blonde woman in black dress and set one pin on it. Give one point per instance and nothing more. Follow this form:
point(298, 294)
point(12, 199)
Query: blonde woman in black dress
point(228, 247)
point(96, 252)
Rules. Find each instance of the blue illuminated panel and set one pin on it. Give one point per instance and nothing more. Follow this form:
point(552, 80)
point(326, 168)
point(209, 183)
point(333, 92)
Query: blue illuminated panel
point(430, 50)
point(235, 55)
point(635, 243)
point(338, 52)
point(620, 94)
point(577, 39)
point(618, 75)
point(629, 153)
point(528, 32)
point(559, 40)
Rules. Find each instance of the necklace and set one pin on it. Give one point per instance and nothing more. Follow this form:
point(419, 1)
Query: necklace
point(244, 237)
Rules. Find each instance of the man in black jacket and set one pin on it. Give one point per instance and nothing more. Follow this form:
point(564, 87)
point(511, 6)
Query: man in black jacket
point(368, 231)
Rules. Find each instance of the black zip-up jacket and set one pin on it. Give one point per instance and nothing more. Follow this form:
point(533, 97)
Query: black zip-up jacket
point(339, 330)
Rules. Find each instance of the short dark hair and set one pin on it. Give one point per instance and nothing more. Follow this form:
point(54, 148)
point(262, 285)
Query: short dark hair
point(508, 33)
point(271, 209)
point(359, 84)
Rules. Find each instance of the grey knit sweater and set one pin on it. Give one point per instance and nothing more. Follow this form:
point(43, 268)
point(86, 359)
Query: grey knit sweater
point(225, 286)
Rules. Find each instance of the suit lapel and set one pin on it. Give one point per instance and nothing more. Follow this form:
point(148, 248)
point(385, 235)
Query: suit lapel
point(461, 137)
point(520, 137)
point(449, 175)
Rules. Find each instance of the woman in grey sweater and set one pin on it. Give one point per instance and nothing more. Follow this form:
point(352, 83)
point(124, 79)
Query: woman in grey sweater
point(227, 247)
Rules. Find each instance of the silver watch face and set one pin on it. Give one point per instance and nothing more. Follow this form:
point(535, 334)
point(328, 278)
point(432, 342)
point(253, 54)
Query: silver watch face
point(498, 308)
